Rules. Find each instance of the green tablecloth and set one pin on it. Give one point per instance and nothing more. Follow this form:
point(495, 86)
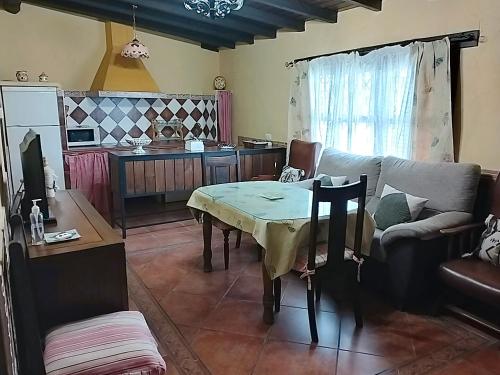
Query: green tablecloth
point(280, 226)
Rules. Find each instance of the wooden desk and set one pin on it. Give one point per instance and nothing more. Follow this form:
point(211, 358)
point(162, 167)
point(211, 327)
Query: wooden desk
point(82, 278)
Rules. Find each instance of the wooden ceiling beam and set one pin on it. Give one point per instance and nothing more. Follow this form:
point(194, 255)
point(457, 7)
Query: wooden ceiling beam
point(177, 9)
point(125, 18)
point(300, 8)
point(250, 13)
point(368, 4)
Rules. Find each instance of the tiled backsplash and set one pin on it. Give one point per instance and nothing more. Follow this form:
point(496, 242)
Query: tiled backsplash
point(119, 117)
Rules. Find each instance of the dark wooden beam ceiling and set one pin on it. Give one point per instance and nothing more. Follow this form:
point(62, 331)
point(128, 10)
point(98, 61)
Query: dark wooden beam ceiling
point(300, 8)
point(78, 6)
point(369, 4)
point(177, 9)
point(170, 17)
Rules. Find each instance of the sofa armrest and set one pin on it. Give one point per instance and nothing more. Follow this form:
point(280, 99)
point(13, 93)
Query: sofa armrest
point(455, 231)
point(425, 229)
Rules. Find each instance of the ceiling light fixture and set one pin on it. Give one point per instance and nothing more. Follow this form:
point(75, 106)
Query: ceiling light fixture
point(135, 49)
point(213, 8)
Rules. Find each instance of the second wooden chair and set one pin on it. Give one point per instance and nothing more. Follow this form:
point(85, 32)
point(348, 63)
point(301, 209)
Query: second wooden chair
point(220, 169)
point(335, 259)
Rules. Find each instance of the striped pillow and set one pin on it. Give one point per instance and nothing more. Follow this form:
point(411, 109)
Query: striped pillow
point(118, 343)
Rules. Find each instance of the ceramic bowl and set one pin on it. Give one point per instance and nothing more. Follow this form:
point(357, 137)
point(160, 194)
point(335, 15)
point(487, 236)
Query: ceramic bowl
point(138, 143)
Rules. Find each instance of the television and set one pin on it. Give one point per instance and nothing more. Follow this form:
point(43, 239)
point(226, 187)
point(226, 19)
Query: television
point(33, 175)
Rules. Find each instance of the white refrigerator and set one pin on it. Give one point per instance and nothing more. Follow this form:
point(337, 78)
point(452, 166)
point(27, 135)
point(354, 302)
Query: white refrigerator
point(32, 107)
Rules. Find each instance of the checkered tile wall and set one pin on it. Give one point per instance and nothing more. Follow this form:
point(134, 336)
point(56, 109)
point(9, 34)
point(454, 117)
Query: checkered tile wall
point(120, 117)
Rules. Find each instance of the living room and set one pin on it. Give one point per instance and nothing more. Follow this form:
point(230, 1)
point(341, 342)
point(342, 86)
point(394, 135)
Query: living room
point(187, 157)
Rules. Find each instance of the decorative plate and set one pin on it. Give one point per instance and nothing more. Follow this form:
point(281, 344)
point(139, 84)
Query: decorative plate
point(220, 83)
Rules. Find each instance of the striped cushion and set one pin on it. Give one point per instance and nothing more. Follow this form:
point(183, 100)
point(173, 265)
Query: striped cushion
point(321, 257)
point(118, 343)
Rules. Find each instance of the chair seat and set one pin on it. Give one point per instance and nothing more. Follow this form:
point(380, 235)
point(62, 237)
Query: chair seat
point(474, 278)
point(321, 257)
point(118, 343)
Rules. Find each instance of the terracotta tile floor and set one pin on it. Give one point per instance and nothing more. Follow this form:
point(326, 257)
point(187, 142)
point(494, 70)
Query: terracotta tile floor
point(220, 316)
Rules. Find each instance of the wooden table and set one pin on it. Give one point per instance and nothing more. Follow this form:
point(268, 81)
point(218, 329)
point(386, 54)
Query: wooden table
point(82, 278)
point(280, 226)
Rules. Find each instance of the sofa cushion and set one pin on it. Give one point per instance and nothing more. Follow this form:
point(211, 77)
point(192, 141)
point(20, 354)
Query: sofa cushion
point(337, 163)
point(448, 186)
point(118, 343)
point(474, 278)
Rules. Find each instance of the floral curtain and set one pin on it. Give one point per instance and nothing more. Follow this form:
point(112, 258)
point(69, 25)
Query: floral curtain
point(392, 101)
point(299, 108)
point(433, 129)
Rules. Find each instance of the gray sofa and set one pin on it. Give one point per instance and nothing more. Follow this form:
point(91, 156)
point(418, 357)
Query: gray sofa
point(404, 258)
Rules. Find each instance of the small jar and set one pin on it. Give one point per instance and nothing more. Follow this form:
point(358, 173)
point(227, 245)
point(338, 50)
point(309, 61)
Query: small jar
point(22, 75)
point(43, 77)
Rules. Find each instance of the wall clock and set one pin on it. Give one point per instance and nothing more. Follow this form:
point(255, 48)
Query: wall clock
point(220, 83)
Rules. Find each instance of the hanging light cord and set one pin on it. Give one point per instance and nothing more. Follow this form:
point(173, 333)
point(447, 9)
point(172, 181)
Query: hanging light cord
point(134, 7)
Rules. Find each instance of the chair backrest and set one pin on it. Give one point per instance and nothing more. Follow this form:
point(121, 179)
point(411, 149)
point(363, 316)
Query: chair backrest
point(495, 206)
point(28, 340)
point(338, 198)
point(304, 155)
point(221, 168)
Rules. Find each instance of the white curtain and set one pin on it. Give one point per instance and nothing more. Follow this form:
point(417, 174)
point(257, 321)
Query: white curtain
point(364, 104)
point(299, 108)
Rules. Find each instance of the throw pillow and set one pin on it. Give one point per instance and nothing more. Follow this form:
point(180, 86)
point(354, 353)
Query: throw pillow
point(396, 207)
point(330, 180)
point(489, 244)
point(290, 174)
point(325, 181)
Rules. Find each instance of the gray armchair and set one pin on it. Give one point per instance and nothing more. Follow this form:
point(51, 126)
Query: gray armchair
point(411, 252)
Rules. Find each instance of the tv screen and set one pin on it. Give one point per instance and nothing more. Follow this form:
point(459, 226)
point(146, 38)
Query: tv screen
point(33, 175)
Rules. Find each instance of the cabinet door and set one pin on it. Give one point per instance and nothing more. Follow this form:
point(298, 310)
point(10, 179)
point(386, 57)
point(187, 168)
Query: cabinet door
point(30, 106)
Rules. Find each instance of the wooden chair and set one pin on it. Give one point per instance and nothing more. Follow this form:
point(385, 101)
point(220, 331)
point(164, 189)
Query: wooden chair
point(334, 258)
point(32, 344)
point(303, 155)
point(222, 169)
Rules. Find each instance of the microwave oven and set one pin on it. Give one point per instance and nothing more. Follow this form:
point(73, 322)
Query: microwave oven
point(83, 136)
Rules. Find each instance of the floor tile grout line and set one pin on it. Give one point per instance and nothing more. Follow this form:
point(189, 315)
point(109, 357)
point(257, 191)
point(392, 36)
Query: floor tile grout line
point(338, 345)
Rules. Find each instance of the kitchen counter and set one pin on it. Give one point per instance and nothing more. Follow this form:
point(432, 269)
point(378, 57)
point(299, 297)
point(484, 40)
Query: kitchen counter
point(168, 169)
point(158, 148)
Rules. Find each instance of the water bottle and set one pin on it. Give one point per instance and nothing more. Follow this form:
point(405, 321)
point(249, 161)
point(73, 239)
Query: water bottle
point(36, 220)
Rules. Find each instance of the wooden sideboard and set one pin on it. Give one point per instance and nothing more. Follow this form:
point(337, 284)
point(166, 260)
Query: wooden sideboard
point(81, 278)
point(176, 173)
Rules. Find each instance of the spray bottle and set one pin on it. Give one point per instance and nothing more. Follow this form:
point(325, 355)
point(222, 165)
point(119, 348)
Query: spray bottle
point(36, 220)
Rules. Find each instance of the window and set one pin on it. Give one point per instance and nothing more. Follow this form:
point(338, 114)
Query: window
point(364, 104)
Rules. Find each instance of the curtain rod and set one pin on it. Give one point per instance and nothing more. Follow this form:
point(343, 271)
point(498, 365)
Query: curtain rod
point(464, 39)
